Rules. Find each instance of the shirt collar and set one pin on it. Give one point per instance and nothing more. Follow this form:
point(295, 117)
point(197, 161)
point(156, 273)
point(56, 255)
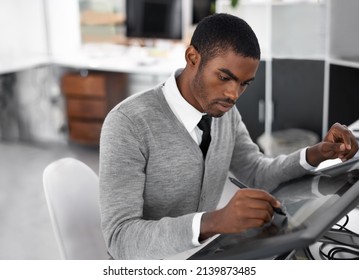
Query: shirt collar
point(188, 115)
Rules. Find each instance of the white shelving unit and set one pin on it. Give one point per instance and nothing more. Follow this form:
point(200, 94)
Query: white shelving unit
point(35, 31)
point(344, 25)
point(305, 30)
point(298, 30)
point(23, 35)
point(342, 60)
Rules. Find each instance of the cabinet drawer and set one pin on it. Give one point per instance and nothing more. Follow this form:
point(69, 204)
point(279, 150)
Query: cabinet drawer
point(86, 108)
point(85, 132)
point(93, 85)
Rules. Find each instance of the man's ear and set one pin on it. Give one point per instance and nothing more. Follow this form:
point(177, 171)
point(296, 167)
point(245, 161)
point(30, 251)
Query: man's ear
point(192, 56)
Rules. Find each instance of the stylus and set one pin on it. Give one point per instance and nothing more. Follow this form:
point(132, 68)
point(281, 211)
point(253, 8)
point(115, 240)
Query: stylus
point(244, 186)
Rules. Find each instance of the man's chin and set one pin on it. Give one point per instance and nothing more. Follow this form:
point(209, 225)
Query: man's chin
point(218, 110)
point(215, 114)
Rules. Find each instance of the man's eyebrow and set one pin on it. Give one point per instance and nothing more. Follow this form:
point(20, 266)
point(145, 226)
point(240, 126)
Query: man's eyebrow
point(234, 77)
point(229, 73)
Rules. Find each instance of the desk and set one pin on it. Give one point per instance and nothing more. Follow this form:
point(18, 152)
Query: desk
point(161, 60)
point(90, 98)
point(131, 60)
point(11, 65)
point(150, 66)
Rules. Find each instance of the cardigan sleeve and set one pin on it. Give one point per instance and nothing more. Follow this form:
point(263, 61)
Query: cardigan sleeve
point(122, 181)
point(251, 166)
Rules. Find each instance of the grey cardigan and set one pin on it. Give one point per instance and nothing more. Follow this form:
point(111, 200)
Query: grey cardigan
point(153, 178)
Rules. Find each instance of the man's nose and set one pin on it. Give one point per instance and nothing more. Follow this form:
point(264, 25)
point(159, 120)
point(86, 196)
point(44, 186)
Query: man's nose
point(233, 92)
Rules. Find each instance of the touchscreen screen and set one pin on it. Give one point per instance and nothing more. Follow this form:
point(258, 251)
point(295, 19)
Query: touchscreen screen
point(308, 203)
point(307, 199)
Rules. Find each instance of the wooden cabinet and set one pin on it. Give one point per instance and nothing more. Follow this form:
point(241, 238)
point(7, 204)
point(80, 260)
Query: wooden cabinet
point(88, 100)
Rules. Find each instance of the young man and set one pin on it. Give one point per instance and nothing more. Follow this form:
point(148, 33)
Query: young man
point(158, 190)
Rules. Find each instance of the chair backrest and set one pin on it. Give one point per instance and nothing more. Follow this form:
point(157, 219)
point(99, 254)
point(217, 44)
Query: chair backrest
point(71, 191)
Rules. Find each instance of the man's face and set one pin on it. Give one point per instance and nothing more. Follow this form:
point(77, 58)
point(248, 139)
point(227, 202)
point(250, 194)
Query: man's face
point(217, 86)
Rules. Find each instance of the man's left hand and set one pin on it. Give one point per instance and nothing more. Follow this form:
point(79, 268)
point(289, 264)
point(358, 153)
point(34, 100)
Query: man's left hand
point(339, 142)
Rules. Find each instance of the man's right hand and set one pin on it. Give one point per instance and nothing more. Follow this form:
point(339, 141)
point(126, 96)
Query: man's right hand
point(249, 208)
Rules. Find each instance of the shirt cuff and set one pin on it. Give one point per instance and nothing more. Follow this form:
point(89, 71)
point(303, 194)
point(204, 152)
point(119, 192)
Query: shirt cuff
point(303, 160)
point(196, 228)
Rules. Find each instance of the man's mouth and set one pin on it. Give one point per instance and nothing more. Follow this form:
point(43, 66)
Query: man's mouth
point(225, 106)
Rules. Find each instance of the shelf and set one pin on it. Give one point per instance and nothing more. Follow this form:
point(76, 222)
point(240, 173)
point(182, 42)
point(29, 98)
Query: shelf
point(315, 57)
point(133, 59)
point(303, 34)
point(10, 65)
point(89, 17)
point(251, 12)
point(353, 63)
point(271, 2)
point(297, 2)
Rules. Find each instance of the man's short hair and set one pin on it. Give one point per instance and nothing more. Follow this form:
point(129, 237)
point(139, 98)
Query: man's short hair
point(219, 33)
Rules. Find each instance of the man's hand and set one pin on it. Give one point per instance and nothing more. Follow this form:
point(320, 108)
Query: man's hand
point(339, 142)
point(249, 208)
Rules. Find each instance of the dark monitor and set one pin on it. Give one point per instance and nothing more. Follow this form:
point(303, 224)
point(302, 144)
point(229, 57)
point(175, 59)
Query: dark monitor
point(313, 203)
point(202, 9)
point(160, 19)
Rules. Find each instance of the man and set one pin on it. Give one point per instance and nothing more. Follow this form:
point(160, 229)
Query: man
point(158, 190)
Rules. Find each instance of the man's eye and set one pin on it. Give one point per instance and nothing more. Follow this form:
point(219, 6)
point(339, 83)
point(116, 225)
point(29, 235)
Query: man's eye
point(245, 84)
point(223, 78)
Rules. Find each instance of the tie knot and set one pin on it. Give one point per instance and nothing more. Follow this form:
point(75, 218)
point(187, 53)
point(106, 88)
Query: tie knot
point(205, 123)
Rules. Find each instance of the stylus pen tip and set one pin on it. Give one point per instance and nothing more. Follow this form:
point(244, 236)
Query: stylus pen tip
point(279, 211)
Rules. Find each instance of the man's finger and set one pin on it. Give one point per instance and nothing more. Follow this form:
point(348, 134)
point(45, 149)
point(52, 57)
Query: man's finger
point(261, 195)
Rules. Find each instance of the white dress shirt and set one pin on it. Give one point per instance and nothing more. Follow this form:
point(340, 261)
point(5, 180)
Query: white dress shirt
point(190, 117)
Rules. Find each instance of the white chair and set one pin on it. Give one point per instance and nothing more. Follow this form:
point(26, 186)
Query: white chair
point(71, 191)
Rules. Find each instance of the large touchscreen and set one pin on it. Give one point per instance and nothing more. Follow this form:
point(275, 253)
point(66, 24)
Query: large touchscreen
point(313, 204)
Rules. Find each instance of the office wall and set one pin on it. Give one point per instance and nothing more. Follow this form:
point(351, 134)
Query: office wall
point(41, 109)
point(63, 26)
point(22, 29)
point(23, 38)
point(31, 105)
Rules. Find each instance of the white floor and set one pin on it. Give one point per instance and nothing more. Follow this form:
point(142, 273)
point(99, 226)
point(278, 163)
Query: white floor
point(25, 230)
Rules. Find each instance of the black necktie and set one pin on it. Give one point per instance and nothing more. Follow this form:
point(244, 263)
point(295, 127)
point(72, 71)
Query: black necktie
point(205, 126)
